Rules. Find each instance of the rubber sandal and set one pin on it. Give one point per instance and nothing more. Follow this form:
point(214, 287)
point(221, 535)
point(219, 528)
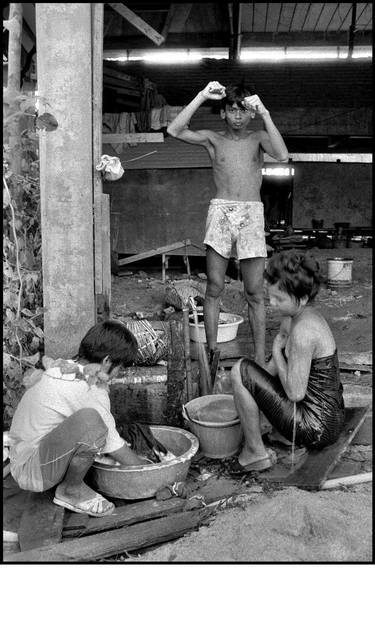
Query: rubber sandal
point(260, 465)
point(90, 506)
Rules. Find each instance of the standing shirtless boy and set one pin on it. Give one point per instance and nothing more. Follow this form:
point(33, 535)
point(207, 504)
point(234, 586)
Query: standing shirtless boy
point(235, 217)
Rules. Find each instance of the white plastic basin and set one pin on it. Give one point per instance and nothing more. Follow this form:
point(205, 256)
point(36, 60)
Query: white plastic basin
point(226, 330)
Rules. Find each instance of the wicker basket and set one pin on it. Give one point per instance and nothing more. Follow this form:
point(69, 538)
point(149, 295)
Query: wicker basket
point(177, 293)
point(152, 346)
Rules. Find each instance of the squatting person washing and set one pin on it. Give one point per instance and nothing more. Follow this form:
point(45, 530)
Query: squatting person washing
point(235, 221)
point(63, 421)
point(302, 374)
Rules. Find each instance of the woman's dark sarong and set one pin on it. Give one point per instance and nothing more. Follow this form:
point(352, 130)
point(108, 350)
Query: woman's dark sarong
point(319, 416)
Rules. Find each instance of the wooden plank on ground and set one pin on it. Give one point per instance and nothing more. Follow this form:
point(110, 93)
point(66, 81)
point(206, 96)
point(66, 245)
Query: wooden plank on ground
point(153, 252)
point(109, 543)
point(124, 515)
point(318, 464)
point(41, 523)
point(132, 138)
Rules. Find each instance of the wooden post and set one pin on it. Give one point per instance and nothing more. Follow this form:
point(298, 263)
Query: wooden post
point(64, 62)
point(14, 82)
point(97, 88)
point(189, 388)
point(352, 31)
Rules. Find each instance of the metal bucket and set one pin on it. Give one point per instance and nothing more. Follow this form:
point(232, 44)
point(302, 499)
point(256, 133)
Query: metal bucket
point(339, 272)
point(219, 438)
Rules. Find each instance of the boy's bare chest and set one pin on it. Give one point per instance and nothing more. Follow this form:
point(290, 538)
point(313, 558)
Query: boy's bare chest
point(234, 152)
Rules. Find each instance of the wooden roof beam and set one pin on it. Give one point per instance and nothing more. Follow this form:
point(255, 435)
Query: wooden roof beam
point(180, 15)
point(168, 21)
point(137, 22)
point(352, 30)
point(236, 31)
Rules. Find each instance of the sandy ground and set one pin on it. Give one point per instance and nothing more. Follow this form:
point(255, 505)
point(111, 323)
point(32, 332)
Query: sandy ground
point(290, 525)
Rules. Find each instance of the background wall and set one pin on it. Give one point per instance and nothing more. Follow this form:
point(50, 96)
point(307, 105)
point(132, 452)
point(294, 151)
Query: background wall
point(333, 192)
point(153, 207)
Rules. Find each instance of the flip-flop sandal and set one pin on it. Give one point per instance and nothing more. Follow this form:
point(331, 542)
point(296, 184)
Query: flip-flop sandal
point(260, 465)
point(90, 506)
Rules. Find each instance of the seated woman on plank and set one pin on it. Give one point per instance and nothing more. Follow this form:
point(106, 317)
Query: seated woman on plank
point(300, 392)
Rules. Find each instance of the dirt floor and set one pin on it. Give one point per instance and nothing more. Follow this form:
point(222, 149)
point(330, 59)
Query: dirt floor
point(289, 524)
point(265, 523)
point(349, 311)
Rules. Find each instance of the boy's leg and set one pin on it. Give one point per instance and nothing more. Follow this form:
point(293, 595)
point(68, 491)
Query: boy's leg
point(248, 411)
point(252, 271)
point(216, 268)
point(67, 453)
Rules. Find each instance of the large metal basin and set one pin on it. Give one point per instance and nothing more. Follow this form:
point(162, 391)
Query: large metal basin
point(143, 481)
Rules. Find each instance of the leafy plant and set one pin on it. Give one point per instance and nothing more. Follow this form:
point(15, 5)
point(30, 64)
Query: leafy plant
point(22, 261)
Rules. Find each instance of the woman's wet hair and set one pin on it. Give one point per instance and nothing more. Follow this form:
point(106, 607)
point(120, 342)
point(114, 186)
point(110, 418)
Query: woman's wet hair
point(236, 94)
point(297, 273)
point(109, 338)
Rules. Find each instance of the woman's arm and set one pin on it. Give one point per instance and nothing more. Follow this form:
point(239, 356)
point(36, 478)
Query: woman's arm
point(294, 373)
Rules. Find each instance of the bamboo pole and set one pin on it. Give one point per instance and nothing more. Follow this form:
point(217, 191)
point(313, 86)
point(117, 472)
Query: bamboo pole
point(358, 478)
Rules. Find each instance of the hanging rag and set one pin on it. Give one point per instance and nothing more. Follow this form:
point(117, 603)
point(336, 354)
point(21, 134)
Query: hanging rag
point(111, 167)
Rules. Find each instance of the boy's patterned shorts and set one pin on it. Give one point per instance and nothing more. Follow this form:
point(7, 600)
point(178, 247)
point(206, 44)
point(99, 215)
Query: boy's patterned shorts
point(236, 228)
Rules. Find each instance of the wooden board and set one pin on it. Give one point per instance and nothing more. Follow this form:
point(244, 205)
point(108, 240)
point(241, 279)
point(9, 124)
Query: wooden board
point(109, 543)
point(318, 464)
point(132, 138)
point(137, 22)
point(41, 523)
point(124, 515)
point(152, 252)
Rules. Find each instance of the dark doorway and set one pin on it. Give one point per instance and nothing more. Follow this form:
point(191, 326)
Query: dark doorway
point(277, 196)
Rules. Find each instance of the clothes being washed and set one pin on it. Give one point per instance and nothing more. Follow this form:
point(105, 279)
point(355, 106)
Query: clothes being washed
point(141, 440)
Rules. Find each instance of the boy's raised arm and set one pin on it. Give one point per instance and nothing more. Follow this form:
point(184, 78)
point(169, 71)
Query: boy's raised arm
point(179, 126)
point(272, 142)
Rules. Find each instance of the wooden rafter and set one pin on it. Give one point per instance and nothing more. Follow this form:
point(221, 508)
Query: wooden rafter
point(180, 15)
point(278, 21)
point(352, 29)
point(294, 12)
point(332, 16)
point(320, 14)
point(168, 20)
point(307, 13)
point(344, 19)
point(137, 22)
point(266, 17)
point(363, 10)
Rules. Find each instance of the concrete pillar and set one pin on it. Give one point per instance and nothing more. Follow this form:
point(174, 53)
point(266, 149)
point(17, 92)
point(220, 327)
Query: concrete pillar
point(64, 68)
